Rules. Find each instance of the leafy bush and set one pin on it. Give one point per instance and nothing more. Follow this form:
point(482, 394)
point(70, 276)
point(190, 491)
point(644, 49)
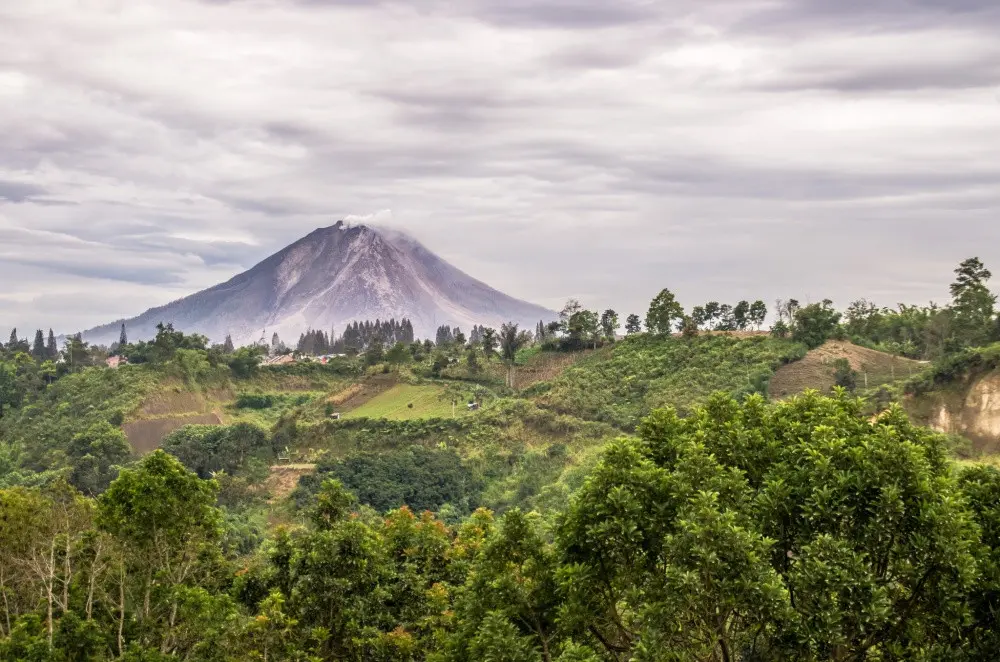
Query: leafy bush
point(418, 477)
point(961, 365)
point(206, 449)
point(844, 375)
point(254, 401)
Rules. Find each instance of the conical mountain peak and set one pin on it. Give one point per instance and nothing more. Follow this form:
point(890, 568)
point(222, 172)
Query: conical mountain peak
point(331, 277)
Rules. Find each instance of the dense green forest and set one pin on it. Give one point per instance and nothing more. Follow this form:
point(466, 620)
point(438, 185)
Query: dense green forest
point(568, 494)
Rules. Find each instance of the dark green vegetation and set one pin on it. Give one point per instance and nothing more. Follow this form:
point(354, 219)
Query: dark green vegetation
point(562, 495)
point(749, 531)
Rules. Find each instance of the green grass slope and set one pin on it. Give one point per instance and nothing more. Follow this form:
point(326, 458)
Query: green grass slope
point(408, 401)
point(643, 372)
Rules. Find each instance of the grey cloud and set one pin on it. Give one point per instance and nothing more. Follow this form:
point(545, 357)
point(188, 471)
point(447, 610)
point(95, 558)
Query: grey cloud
point(19, 191)
point(569, 14)
point(153, 274)
point(870, 15)
point(889, 80)
point(705, 178)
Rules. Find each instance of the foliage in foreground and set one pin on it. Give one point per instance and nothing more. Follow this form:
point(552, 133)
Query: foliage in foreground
point(801, 530)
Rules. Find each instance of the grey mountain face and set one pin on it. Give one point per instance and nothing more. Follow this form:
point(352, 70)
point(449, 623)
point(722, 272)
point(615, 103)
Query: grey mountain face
point(327, 279)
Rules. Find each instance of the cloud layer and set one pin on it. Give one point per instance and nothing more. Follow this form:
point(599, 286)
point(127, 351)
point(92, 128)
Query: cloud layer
point(552, 148)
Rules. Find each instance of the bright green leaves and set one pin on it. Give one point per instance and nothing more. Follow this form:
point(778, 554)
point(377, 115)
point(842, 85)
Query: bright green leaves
point(160, 501)
point(801, 529)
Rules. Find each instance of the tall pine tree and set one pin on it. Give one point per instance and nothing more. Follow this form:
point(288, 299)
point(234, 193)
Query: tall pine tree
point(51, 349)
point(38, 348)
point(123, 338)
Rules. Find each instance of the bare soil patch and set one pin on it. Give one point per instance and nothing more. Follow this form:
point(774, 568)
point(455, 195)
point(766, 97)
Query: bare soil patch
point(284, 479)
point(358, 394)
point(546, 366)
point(145, 435)
point(817, 369)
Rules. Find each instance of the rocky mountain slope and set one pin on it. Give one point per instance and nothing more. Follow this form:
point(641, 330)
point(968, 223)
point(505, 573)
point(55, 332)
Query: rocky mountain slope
point(329, 278)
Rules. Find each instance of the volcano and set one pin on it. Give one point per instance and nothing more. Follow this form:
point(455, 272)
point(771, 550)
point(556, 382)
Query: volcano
point(331, 277)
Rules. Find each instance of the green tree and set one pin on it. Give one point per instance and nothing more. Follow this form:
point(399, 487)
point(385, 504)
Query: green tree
point(123, 338)
point(472, 361)
point(77, 352)
point(192, 364)
point(166, 521)
point(51, 349)
point(741, 315)
point(633, 324)
point(688, 327)
point(972, 302)
point(38, 347)
point(10, 394)
point(244, 361)
point(815, 323)
point(981, 487)
point(713, 311)
point(489, 343)
point(398, 354)
point(97, 453)
point(801, 530)
point(727, 318)
point(758, 313)
point(663, 310)
point(582, 328)
point(844, 375)
point(511, 341)
point(514, 584)
point(609, 323)
point(375, 353)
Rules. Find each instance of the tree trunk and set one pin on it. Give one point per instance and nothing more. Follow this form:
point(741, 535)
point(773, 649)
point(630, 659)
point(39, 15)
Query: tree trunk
point(6, 604)
point(121, 612)
point(50, 586)
point(67, 574)
point(92, 583)
point(148, 589)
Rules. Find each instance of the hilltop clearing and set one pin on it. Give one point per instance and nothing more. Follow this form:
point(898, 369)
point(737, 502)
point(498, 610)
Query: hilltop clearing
point(818, 369)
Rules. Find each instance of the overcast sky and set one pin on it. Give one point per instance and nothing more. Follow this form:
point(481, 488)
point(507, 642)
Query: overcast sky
point(600, 149)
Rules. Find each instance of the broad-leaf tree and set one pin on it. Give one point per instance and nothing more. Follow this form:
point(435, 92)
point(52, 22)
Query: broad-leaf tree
point(663, 310)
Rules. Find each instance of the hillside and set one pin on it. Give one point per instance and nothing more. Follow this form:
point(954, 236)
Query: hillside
point(816, 370)
point(960, 396)
point(329, 278)
point(622, 383)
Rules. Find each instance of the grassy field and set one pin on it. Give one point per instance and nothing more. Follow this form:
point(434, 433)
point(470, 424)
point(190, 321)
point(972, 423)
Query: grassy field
point(428, 401)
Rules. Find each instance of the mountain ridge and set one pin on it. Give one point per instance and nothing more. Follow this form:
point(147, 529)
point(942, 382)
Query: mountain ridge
point(327, 279)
